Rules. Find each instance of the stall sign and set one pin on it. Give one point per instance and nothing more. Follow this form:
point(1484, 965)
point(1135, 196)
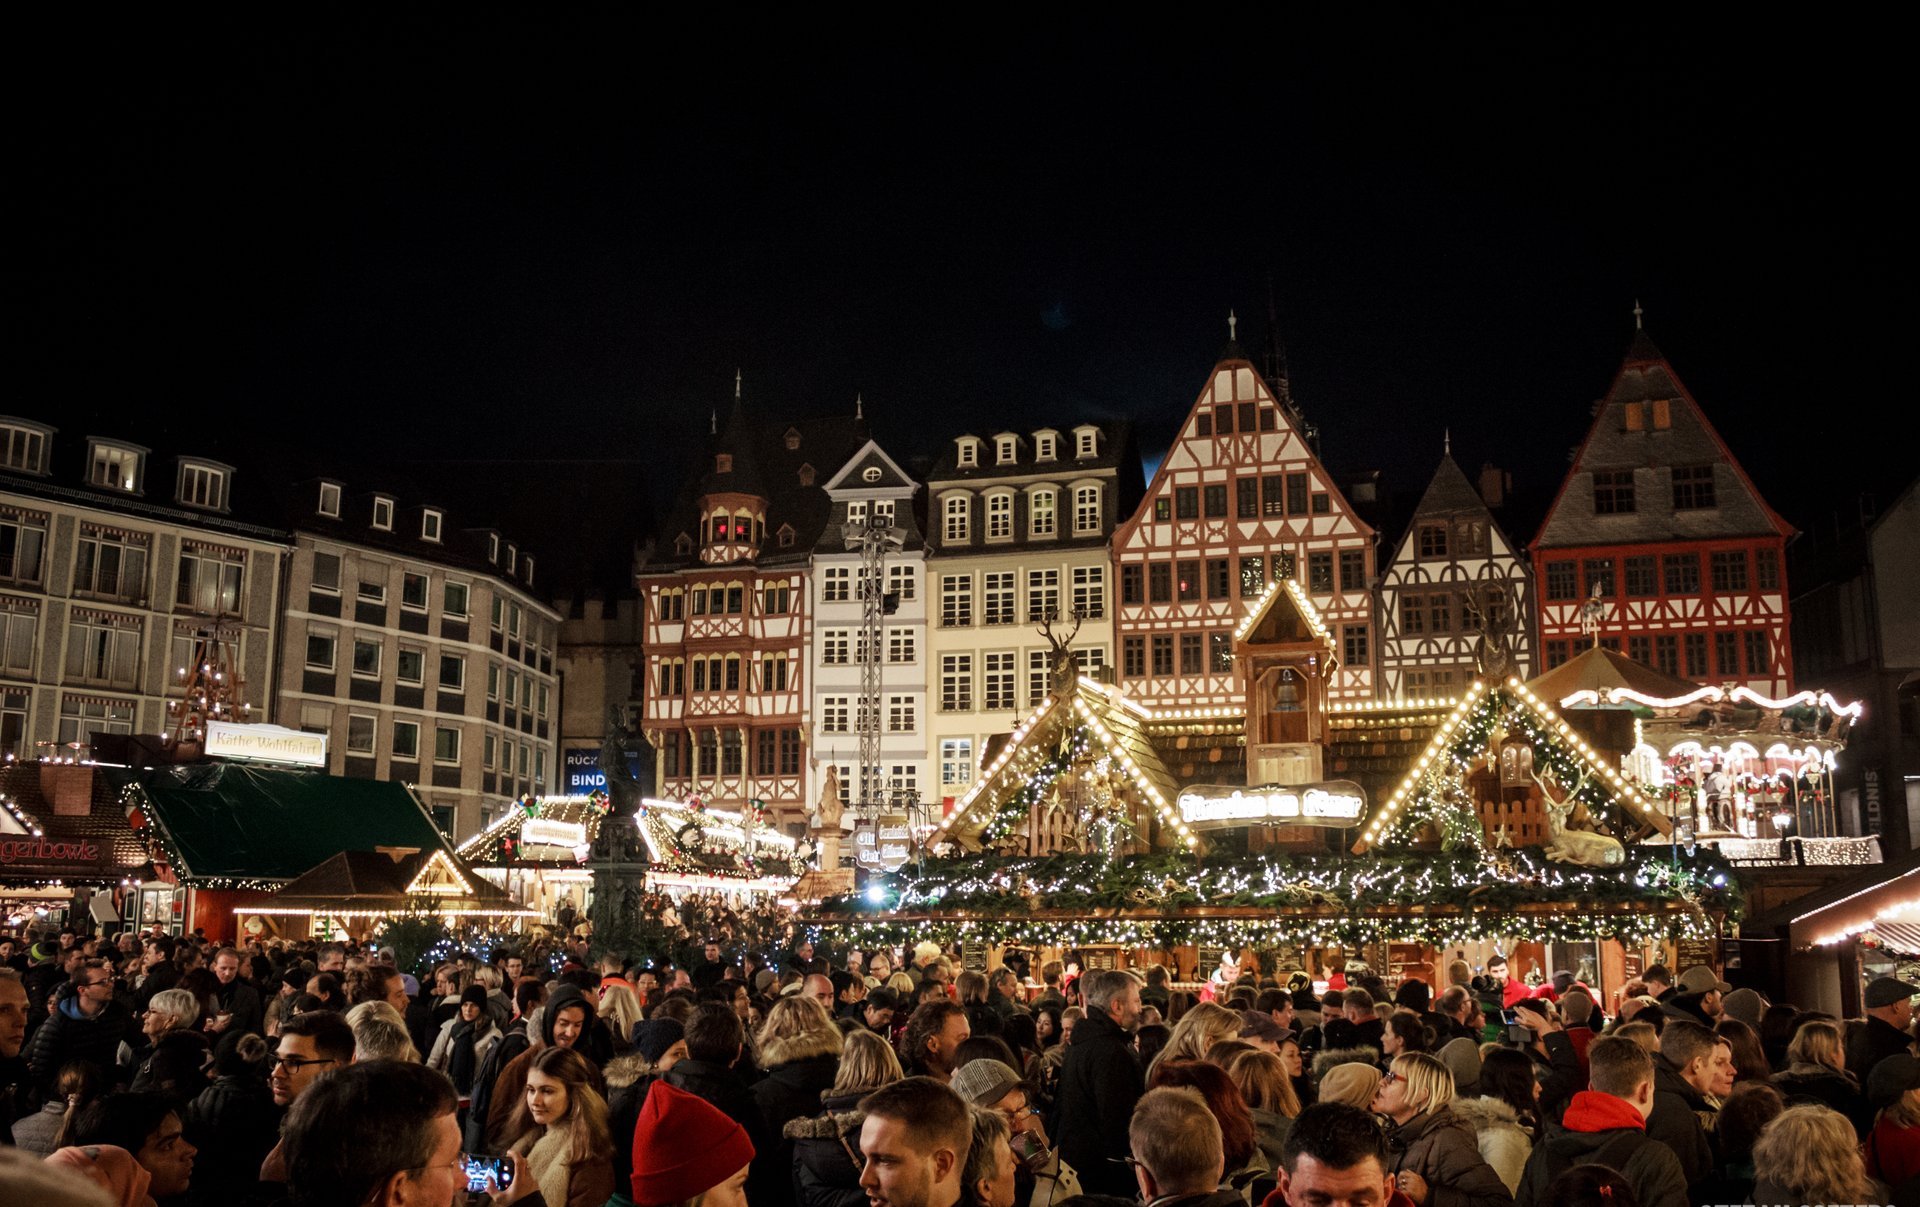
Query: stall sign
point(1333, 803)
point(546, 832)
point(266, 744)
point(21, 851)
point(973, 955)
point(884, 843)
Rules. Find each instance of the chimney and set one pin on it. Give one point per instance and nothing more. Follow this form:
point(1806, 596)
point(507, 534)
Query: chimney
point(1495, 484)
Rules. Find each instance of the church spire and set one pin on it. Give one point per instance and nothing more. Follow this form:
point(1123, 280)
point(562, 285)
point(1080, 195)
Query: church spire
point(859, 407)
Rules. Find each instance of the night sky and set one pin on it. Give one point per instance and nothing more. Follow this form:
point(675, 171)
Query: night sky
point(526, 254)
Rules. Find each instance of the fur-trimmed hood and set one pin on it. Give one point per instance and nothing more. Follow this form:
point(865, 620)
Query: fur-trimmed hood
point(623, 1071)
point(799, 1047)
point(1481, 1114)
point(830, 1126)
point(1334, 1057)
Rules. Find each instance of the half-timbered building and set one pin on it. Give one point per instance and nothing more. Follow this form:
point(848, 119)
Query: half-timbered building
point(1658, 544)
point(1455, 581)
point(728, 605)
point(1241, 500)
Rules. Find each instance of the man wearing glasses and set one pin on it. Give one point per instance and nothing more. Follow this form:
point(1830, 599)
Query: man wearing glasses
point(1041, 1177)
point(311, 1046)
point(87, 1025)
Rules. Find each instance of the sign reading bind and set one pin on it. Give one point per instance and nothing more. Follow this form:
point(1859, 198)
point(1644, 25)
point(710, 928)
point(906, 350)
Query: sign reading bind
point(1334, 803)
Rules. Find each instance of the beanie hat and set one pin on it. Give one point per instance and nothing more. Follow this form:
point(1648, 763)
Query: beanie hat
point(112, 1169)
point(1462, 1058)
point(1414, 994)
point(653, 1036)
point(477, 994)
point(1745, 1005)
point(684, 1147)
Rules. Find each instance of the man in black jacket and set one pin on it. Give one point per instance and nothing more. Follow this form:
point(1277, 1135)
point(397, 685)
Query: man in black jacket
point(239, 1001)
point(1692, 1063)
point(88, 1025)
point(715, 1040)
point(1100, 1081)
point(1607, 1126)
point(1889, 1015)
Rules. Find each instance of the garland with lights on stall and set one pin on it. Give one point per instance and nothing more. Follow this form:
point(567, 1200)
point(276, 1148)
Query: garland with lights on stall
point(1038, 776)
point(1169, 899)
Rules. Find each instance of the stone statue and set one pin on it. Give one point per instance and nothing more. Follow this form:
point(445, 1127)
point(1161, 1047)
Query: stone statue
point(618, 859)
point(627, 760)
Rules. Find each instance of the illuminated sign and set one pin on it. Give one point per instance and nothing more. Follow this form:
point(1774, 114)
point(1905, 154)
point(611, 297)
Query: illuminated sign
point(884, 843)
point(266, 744)
point(545, 832)
point(1335, 803)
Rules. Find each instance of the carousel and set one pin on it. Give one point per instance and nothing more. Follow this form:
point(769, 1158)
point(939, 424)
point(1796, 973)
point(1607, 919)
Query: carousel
point(1306, 835)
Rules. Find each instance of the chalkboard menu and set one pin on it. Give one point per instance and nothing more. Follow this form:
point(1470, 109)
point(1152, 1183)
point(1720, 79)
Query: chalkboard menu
point(1632, 964)
point(973, 955)
point(1689, 952)
point(1209, 960)
point(1099, 957)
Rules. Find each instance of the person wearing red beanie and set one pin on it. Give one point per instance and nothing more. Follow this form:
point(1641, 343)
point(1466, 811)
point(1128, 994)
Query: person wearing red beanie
point(686, 1151)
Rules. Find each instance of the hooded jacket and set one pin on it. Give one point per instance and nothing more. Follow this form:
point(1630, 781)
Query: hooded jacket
point(1600, 1129)
point(629, 1077)
point(800, 1070)
point(1675, 1120)
point(1440, 1147)
point(234, 1124)
point(69, 1035)
point(512, 1082)
point(824, 1171)
point(1503, 1142)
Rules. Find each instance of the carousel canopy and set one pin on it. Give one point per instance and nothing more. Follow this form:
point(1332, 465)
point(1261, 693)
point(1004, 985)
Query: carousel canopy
point(1602, 671)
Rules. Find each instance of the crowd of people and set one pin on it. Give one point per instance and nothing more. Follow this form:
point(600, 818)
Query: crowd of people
point(154, 1069)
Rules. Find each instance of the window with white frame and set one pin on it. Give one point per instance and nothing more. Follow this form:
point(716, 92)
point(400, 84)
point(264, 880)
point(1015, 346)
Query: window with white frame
point(1086, 509)
point(383, 513)
point(901, 716)
point(366, 658)
point(19, 632)
point(82, 717)
point(202, 485)
point(834, 647)
point(835, 714)
point(446, 744)
point(836, 584)
point(1090, 592)
point(430, 525)
point(23, 538)
point(999, 516)
point(329, 503)
point(109, 564)
point(1087, 443)
point(900, 582)
point(410, 667)
point(489, 745)
point(905, 778)
point(1090, 659)
point(1043, 515)
point(99, 651)
point(493, 547)
point(956, 683)
point(114, 466)
point(883, 513)
point(406, 739)
point(856, 513)
point(360, 733)
point(967, 453)
point(373, 582)
point(901, 645)
point(1043, 595)
point(1046, 446)
point(453, 601)
point(998, 677)
point(998, 602)
point(316, 717)
point(13, 723)
point(1006, 449)
point(210, 580)
point(956, 765)
point(413, 591)
point(322, 650)
point(1039, 663)
point(23, 447)
point(326, 573)
point(956, 600)
point(957, 518)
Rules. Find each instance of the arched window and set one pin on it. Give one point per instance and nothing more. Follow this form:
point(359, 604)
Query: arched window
point(1086, 509)
point(1043, 512)
point(958, 519)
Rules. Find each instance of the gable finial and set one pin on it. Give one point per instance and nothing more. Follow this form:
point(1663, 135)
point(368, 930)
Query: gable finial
point(1637, 313)
point(736, 385)
point(859, 407)
point(1233, 326)
point(1447, 442)
point(713, 422)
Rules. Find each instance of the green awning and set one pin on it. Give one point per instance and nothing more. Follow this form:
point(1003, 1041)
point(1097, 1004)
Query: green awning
point(229, 821)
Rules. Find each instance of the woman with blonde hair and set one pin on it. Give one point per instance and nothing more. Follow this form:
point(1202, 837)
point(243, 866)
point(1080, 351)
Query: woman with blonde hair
point(799, 1047)
point(1264, 1083)
point(620, 1007)
point(560, 1127)
point(1198, 1030)
point(823, 1146)
point(1810, 1155)
point(1430, 1148)
point(1817, 1072)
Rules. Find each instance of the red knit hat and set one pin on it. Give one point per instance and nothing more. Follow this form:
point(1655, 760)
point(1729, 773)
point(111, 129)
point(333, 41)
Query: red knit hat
point(683, 1146)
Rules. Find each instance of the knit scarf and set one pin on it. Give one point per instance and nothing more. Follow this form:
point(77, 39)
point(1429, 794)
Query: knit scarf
point(547, 1162)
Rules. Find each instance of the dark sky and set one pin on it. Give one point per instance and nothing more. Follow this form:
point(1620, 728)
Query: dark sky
point(531, 250)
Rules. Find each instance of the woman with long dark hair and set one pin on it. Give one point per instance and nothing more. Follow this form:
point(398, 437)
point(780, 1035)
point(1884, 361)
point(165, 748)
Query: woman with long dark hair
point(560, 1127)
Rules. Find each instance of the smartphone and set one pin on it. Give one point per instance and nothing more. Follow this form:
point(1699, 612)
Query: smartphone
point(486, 1173)
point(1517, 1032)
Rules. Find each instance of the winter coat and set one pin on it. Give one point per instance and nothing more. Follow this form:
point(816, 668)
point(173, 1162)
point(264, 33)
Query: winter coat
point(799, 1072)
point(1828, 1087)
point(726, 1090)
point(175, 1065)
point(825, 1172)
point(234, 1124)
point(1559, 1073)
point(1100, 1082)
point(242, 1001)
point(512, 1081)
point(1503, 1142)
point(513, 1043)
point(629, 1078)
point(1440, 1147)
point(69, 1035)
point(1893, 1152)
point(1875, 1042)
point(1600, 1129)
point(35, 1133)
point(1270, 1130)
point(446, 1045)
point(1675, 1121)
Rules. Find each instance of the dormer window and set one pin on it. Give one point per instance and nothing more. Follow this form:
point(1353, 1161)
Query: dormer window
point(723, 463)
point(329, 503)
point(1086, 443)
point(1046, 446)
point(682, 545)
point(793, 438)
point(383, 513)
point(526, 570)
point(1006, 449)
point(202, 484)
point(806, 475)
point(115, 466)
point(786, 536)
point(513, 559)
point(493, 548)
point(968, 455)
point(430, 525)
point(23, 446)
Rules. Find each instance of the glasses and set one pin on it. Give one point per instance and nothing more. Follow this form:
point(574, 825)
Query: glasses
point(1021, 1115)
point(1388, 1079)
point(91, 984)
point(295, 1063)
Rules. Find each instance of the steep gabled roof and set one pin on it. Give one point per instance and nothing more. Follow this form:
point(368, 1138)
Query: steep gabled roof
point(1611, 443)
point(852, 475)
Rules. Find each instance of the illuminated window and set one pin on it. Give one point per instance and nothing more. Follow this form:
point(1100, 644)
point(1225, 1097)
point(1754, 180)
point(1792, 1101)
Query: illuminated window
point(115, 466)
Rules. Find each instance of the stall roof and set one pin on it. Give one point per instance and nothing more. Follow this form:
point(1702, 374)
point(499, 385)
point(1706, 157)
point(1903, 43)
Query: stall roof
point(1884, 894)
point(64, 821)
point(381, 883)
point(1600, 669)
point(229, 822)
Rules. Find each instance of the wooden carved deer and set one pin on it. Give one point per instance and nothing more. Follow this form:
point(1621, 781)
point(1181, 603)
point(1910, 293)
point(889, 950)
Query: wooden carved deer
point(1061, 659)
point(1575, 846)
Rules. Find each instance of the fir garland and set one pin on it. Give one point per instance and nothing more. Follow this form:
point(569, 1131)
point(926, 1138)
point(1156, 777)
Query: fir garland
point(1075, 744)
